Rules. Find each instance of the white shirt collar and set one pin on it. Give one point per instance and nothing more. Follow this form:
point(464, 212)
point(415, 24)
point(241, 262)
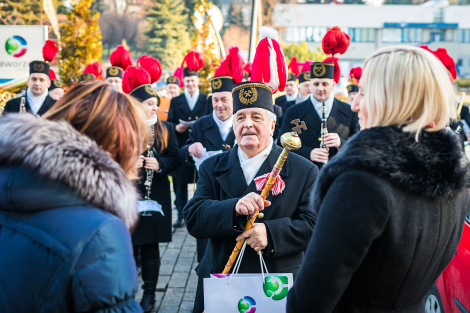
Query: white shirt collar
point(251, 166)
point(301, 98)
point(35, 103)
point(293, 97)
point(191, 99)
point(318, 105)
point(224, 126)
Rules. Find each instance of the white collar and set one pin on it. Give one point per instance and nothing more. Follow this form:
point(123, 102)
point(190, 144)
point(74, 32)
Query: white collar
point(318, 105)
point(191, 99)
point(301, 98)
point(293, 97)
point(223, 124)
point(35, 103)
point(152, 121)
point(251, 166)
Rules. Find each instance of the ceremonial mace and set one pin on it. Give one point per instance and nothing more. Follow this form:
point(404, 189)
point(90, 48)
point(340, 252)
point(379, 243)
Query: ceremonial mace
point(290, 142)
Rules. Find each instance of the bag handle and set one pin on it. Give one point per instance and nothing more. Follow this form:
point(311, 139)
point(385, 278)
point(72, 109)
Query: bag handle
point(236, 268)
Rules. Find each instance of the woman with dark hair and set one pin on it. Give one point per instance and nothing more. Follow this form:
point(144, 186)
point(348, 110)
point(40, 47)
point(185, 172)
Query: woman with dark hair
point(152, 228)
point(67, 204)
point(392, 204)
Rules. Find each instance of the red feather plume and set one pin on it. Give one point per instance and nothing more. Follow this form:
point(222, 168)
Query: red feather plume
point(355, 74)
point(49, 51)
point(194, 60)
point(294, 66)
point(337, 71)
point(121, 58)
point(426, 48)
point(231, 66)
point(335, 41)
point(97, 69)
point(306, 66)
point(52, 74)
point(179, 73)
point(448, 62)
point(134, 77)
point(152, 66)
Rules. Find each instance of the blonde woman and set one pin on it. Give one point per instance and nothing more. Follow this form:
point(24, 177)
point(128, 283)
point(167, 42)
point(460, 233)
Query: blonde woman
point(391, 205)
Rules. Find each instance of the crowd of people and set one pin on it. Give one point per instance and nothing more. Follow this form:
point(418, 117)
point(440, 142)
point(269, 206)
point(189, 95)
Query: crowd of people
point(366, 214)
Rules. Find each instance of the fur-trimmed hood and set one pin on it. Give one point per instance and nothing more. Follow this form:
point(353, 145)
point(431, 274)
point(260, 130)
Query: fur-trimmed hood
point(433, 166)
point(57, 152)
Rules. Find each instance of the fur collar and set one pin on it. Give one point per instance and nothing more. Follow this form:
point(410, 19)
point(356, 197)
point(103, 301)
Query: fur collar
point(433, 166)
point(59, 153)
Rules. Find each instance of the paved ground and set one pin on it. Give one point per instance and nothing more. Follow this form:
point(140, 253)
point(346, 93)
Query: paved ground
point(177, 283)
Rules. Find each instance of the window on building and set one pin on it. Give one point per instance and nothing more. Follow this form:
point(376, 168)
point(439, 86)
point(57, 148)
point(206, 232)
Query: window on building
point(449, 35)
point(361, 34)
point(459, 62)
point(391, 35)
point(309, 34)
point(412, 34)
point(463, 35)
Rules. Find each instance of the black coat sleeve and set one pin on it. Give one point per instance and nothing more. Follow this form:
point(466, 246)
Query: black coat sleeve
point(9, 106)
point(352, 215)
point(172, 114)
point(194, 134)
point(170, 161)
point(208, 218)
point(295, 230)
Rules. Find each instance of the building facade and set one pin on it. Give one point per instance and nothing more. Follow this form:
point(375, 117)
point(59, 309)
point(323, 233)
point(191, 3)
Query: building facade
point(373, 27)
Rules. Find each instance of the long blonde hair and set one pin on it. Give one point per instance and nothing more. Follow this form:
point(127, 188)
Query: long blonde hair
point(409, 87)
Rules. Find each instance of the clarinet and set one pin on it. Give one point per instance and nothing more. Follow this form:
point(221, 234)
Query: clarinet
point(324, 131)
point(22, 104)
point(148, 181)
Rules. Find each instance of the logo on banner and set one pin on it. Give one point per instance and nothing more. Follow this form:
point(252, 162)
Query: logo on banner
point(16, 46)
point(247, 305)
point(276, 287)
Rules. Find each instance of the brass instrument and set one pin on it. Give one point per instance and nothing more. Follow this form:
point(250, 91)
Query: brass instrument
point(22, 104)
point(324, 131)
point(5, 96)
point(460, 105)
point(149, 172)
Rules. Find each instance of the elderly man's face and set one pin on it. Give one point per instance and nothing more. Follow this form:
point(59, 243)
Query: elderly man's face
point(304, 89)
point(253, 130)
point(115, 83)
point(172, 90)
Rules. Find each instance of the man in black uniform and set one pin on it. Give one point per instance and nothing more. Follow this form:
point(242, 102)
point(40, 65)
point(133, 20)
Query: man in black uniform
point(342, 122)
point(226, 195)
point(37, 96)
point(188, 107)
point(292, 91)
point(213, 132)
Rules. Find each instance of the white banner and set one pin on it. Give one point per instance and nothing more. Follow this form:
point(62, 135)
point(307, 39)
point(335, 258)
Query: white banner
point(19, 45)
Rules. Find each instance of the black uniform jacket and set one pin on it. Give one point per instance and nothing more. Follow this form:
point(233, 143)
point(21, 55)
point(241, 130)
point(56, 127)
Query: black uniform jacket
point(289, 220)
point(206, 131)
point(13, 106)
point(209, 107)
point(179, 109)
point(342, 120)
point(283, 103)
point(391, 213)
point(157, 228)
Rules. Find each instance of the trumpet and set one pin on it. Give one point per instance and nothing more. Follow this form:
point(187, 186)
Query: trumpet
point(323, 132)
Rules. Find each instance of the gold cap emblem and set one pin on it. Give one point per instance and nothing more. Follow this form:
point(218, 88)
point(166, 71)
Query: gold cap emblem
point(113, 71)
point(57, 83)
point(349, 88)
point(216, 84)
point(149, 90)
point(319, 70)
point(172, 79)
point(38, 67)
point(191, 72)
point(306, 75)
point(248, 95)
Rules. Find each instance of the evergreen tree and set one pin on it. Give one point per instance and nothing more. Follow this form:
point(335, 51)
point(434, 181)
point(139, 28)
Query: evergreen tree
point(81, 41)
point(167, 32)
point(23, 12)
point(303, 53)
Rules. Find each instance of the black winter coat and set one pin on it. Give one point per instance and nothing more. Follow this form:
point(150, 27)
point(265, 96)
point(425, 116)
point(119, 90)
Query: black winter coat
point(179, 109)
point(64, 208)
point(157, 228)
point(342, 120)
point(390, 216)
point(13, 106)
point(289, 220)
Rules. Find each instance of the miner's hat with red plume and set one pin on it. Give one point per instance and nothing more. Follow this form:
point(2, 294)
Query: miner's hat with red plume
point(354, 76)
point(304, 75)
point(229, 73)
point(121, 58)
point(294, 69)
point(114, 71)
point(176, 78)
point(269, 64)
point(194, 62)
point(49, 51)
point(55, 83)
point(136, 83)
point(97, 69)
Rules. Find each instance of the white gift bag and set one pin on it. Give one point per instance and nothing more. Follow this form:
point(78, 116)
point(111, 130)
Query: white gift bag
point(247, 293)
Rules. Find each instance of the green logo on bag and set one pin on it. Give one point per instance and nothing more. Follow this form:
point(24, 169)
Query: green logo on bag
point(247, 305)
point(276, 287)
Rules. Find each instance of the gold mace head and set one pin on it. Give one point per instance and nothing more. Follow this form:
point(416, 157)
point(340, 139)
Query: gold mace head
point(291, 141)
